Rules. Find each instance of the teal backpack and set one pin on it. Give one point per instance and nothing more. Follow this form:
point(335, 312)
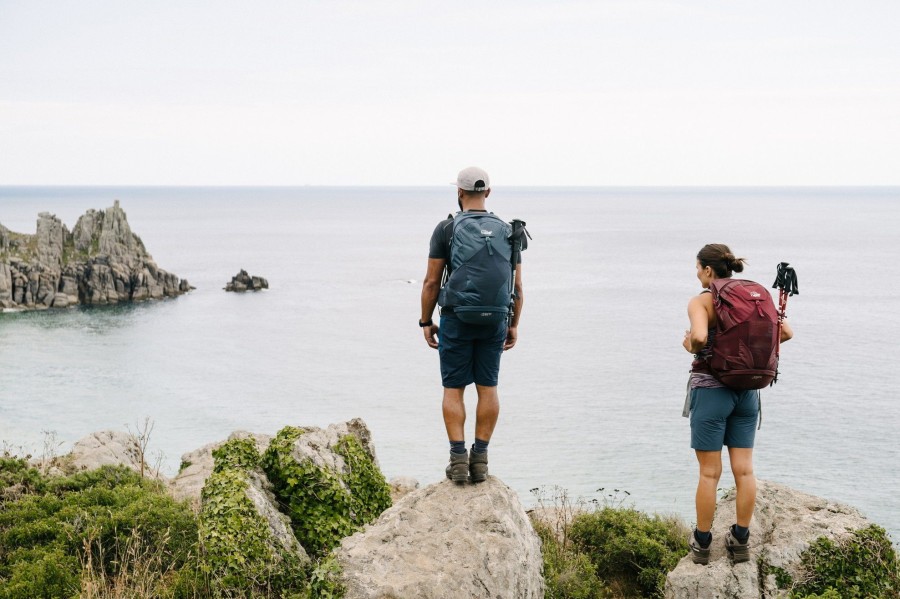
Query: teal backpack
point(478, 282)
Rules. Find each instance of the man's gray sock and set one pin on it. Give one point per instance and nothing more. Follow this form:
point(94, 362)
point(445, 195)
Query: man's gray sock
point(704, 538)
point(458, 447)
point(740, 533)
point(480, 446)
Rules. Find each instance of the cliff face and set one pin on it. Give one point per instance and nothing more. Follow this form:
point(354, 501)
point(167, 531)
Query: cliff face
point(99, 262)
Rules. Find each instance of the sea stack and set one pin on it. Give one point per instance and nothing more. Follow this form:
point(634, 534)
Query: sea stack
point(101, 261)
point(244, 282)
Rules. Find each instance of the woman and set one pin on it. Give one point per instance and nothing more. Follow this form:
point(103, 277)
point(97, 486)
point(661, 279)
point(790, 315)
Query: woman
point(719, 416)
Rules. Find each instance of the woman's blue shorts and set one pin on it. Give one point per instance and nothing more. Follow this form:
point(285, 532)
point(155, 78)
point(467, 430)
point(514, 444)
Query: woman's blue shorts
point(722, 416)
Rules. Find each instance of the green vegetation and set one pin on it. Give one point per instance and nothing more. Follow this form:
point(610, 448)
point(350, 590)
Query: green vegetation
point(58, 536)
point(604, 550)
point(630, 547)
point(240, 551)
point(325, 506)
point(863, 564)
point(68, 250)
point(568, 573)
point(18, 245)
point(111, 533)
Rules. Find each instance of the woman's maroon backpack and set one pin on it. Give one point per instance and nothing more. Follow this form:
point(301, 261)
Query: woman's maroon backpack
point(745, 350)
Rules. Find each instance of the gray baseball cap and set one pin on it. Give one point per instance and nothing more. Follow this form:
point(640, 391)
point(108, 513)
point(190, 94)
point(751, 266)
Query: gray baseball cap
point(473, 179)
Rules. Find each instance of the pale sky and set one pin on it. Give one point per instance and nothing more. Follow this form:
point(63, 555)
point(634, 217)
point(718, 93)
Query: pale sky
point(396, 92)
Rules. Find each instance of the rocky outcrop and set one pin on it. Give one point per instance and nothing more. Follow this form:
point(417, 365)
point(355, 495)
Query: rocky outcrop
point(338, 462)
point(109, 448)
point(247, 540)
point(244, 282)
point(268, 505)
point(197, 465)
point(446, 541)
point(785, 523)
point(101, 261)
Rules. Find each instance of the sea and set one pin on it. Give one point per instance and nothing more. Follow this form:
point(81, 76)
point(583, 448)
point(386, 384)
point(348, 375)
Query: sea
point(592, 394)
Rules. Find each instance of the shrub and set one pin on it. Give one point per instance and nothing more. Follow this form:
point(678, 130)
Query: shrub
point(568, 573)
point(863, 564)
point(47, 535)
point(630, 549)
point(17, 478)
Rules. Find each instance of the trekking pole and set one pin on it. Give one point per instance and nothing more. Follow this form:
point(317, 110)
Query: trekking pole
point(519, 239)
point(786, 282)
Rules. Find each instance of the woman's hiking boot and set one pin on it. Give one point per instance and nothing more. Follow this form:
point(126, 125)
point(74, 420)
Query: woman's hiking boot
point(739, 552)
point(458, 468)
point(699, 555)
point(478, 466)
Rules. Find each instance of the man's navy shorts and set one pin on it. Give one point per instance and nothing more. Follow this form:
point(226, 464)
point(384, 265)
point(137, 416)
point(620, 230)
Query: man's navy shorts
point(723, 416)
point(470, 353)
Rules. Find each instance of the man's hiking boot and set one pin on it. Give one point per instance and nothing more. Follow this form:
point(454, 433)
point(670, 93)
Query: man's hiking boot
point(478, 466)
point(739, 552)
point(458, 468)
point(699, 555)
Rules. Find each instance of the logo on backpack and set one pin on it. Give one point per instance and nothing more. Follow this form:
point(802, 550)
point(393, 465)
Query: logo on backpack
point(745, 351)
point(480, 284)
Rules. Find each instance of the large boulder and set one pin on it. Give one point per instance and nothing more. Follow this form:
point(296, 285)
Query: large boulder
point(785, 523)
point(446, 541)
point(110, 448)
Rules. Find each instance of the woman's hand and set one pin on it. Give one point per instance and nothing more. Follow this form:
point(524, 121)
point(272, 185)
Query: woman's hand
point(686, 344)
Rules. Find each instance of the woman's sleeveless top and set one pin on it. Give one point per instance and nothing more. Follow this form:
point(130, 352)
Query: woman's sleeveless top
point(701, 377)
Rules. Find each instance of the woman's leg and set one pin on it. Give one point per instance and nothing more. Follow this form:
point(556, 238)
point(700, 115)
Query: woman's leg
point(710, 471)
point(745, 481)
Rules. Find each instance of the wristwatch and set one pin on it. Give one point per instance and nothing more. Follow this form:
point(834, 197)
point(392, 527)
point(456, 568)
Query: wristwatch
point(427, 323)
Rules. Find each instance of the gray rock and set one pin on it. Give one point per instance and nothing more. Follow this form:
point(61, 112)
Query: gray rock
point(50, 235)
point(259, 491)
point(446, 541)
point(785, 523)
point(317, 445)
point(6, 286)
point(401, 486)
point(109, 448)
point(100, 262)
point(223, 532)
point(244, 282)
point(197, 465)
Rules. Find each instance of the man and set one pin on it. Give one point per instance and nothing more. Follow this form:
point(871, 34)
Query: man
point(469, 353)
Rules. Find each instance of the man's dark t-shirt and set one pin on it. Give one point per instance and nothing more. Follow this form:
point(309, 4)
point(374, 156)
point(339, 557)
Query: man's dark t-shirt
point(439, 247)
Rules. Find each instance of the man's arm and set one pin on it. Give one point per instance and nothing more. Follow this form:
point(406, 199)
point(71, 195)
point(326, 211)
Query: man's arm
point(431, 286)
point(512, 333)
